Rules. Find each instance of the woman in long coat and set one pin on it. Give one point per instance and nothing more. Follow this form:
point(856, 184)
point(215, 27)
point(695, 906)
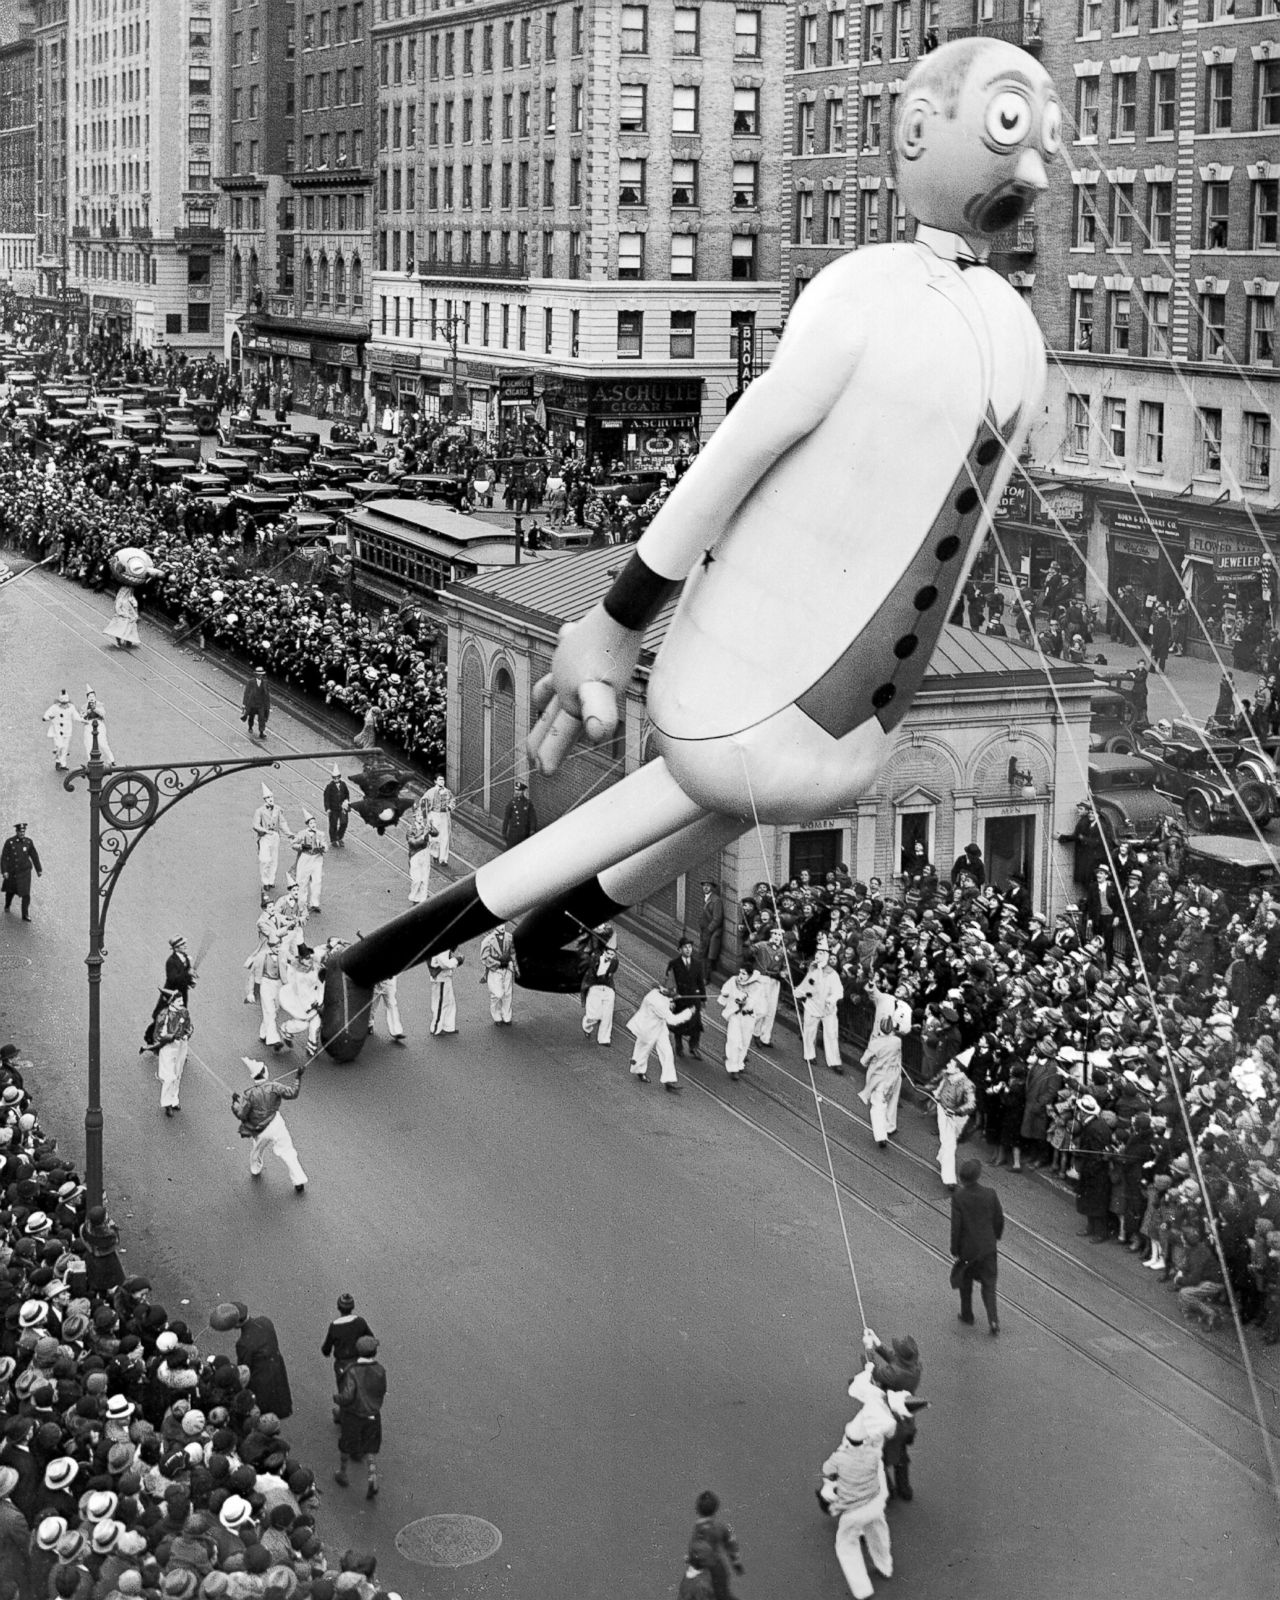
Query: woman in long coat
point(1043, 1075)
point(1093, 1146)
point(258, 1349)
point(124, 630)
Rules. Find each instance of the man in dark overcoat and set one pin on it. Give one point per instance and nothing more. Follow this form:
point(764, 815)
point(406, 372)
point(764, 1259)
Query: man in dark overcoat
point(17, 861)
point(977, 1224)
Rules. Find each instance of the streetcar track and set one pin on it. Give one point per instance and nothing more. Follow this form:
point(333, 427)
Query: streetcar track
point(77, 620)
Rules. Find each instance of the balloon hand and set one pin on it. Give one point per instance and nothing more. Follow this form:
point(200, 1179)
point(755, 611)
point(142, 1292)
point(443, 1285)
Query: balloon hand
point(593, 665)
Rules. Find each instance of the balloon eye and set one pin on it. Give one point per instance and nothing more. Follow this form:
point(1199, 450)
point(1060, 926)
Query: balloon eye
point(1008, 118)
point(1051, 128)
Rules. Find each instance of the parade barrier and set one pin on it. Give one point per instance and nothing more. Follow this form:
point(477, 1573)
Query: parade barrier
point(132, 1464)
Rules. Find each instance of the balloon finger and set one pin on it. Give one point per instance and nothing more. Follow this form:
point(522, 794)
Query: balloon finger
point(543, 692)
point(561, 738)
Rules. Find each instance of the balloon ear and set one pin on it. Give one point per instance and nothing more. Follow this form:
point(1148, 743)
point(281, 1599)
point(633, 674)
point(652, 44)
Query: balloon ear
point(909, 140)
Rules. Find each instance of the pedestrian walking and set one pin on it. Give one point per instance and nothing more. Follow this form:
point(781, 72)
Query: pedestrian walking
point(519, 820)
point(18, 860)
point(882, 1060)
point(440, 803)
point(360, 1397)
point(714, 1534)
point(94, 717)
point(821, 991)
point(600, 997)
point(309, 865)
point(256, 703)
point(384, 996)
point(272, 977)
point(686, 978)
point(268, 824)
point(955, 1100)
point(123, 627)
point(344, 1333)
point(498, 957)
point(444, 1004)
point(897, 1368)
point(742, 1003)
point(977, 1225)
point(258, 1112)
point(772, 968)
point(650, 1027)
point(173, 1030)
point(337, 807)
point(62, 717)
point(179, 973)
point(258, 1348)
point(696, 1584)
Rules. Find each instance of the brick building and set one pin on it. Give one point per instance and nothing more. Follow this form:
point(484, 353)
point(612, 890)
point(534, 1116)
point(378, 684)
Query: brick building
point(51, 157)
point(18, 145)
point(984, 704)
point(577, 213)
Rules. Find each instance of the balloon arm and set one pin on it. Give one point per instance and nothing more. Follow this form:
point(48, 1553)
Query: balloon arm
point(810, 372)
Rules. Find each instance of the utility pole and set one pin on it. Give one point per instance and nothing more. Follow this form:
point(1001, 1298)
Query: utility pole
point(450, 325)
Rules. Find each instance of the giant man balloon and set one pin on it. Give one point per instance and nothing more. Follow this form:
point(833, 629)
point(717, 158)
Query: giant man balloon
point(821, 539)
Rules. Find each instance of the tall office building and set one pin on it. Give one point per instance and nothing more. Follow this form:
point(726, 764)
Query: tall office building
point(18, 145)
point(51, 166)
point(577, 213)
point(144, 111)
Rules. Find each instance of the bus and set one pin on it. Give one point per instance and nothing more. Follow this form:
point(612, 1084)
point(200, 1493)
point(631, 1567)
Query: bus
point(410, 549)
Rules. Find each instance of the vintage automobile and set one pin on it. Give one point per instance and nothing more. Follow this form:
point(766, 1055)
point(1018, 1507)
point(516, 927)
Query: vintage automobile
point(1217, 785)
point(1128, 805)
point(1111, 721)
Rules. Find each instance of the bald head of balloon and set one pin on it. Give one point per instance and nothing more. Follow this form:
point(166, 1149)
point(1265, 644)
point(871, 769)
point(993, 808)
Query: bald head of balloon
point(978, 122)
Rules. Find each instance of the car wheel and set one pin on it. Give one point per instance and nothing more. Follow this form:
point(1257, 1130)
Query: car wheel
point(1253, 798)
point(1121, 744)
point(1198, 812)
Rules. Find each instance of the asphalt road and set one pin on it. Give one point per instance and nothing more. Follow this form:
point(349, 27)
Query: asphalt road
point(594, 1298)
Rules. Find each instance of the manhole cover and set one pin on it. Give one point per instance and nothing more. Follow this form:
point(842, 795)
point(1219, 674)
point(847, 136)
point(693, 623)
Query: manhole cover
point(12, 963)
point(451, 1540)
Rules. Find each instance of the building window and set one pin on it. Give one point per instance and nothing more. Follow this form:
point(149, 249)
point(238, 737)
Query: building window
point(1078, 426)
point(575, 255)
point(630, 335)
point(199, 80)
point(1266, 211)
point(684, 183)
point(1217, 215)
point(1114, 413)
point(897, 218)
point(1164, 103)
point(548, 330)
point(631, 179)
point(835, 124)
point(746, 34)
point(869, 217)
point(1118, 329)
point(682, 335)
point(198, 175)
point(1218, 99)
point(1151, 432)
point(1124, 105)
point(1084, 231)
point(1086, 108)
point(684, 111)
point(746, 111)
point(832, 218)
point(687, 37)
point(1082, 319)
point(577, 101)
point(579, 29)
point(808, 41)
point(1257, 447)
point(1157, 306)
point(900, 43)
point(549, 181)
point(743, 257)
point(1269, 94)
point(198, 127)
point(873, 33)
point(1208, 441)
point(575, 181)
point(1090, 17)
point(871, 122)
point(1213, 323)
point(804, 217)
point(524, 114)
point(805, 142)
point(1127, 16)
point(745, 180)
point(635, 30)
point(1260, 322)
point(631, 255)
point(1159, 213)
point(684, 255)
point(1121, 215)
point(632, 109)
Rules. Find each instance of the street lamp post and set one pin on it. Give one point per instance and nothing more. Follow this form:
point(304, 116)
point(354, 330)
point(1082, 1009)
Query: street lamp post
point(451, 324)
point(125, 803)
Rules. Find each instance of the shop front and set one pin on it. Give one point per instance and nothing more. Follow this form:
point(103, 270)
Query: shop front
point(1229, 578)
point(275, 361)
point(396, 385)
point(1146, 551)
point(323, 366)
point(111, 318)
point(338, 378)
point(1036, 525)
point(630, 425)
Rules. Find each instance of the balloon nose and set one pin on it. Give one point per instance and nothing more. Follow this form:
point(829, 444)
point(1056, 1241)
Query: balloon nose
point(1030, 173)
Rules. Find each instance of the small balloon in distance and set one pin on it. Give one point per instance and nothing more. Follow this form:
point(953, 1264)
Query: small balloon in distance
point(132, 565)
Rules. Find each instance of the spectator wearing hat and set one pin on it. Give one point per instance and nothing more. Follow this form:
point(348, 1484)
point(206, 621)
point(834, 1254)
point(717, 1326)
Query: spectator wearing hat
point(101, 1240)
point(977, 1225)
point(258, 1349)
point(255, 704)
point(179, 973)
point(896, 1368)
point(686, 978)
point(969, 864)
point(19, 858)
point(519, 820)
point(1094, 1147)
point(710, 925)
point(360, 1396)
point(15, 1538)
point(336, 800)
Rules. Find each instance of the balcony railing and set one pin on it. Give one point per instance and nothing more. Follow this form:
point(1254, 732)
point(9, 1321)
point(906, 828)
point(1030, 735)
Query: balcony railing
point(80, 231)
point(1024, 31)
point(477, 271)
point(202, 233)
point(137, 232)
point(1019, 240)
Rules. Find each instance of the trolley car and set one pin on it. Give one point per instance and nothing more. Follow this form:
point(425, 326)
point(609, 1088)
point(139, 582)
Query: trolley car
point(410, 549)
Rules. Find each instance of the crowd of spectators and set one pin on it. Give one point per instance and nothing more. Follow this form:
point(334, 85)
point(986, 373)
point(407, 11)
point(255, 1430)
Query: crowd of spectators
point(77, 508)
point(131, 1464)
point(1134, 1049)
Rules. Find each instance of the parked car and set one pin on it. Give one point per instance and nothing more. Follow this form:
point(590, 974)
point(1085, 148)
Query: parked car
point(1211, 783)
point(1127, 803)
point(1111, 722)
point(1233, 864)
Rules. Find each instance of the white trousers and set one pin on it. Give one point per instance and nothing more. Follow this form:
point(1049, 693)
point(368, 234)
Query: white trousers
point(384, 994)
point(61, 749)
point(830, 1037)
point(276, 1139)
point(950, 1128)
point(444, 1005)
point(764, 1024)
point(598, 1012)
point(882, 1102)
point(439, 846)
point(268, 858)
point(269, 998)
point(863, 1522)
point(737, 1041)
point(419, 876)
point(310, 874)
point(173, 1057)
point(104, 749)
point(500, 985)
point(662, 1044)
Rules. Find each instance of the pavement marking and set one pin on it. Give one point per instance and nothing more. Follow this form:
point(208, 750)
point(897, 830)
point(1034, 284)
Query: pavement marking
point(13, 963)
point(452, 1539)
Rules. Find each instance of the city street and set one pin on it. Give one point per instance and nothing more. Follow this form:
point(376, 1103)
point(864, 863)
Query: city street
point(595, 1299)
